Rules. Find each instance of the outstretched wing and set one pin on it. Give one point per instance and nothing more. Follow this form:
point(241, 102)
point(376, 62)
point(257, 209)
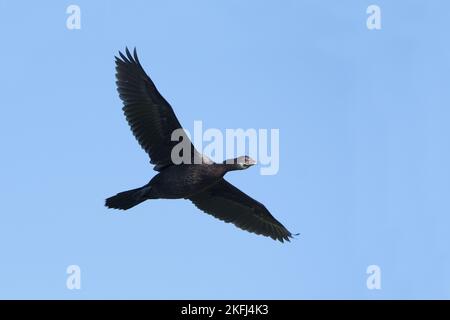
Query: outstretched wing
point(226, 202)
point(149, 115)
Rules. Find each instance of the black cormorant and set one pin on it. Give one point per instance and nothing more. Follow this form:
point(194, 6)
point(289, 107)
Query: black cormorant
point(152, 122)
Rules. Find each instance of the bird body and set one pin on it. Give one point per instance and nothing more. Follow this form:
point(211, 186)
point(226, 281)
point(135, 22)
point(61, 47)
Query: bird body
point(176, 182)
point(199, 179)
point(183, 181)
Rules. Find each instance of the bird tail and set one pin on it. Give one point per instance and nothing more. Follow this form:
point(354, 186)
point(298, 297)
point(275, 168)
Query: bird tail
point(127, 199)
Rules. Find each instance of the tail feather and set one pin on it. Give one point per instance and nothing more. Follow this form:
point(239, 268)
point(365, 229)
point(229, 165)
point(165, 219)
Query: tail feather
point(126, 200)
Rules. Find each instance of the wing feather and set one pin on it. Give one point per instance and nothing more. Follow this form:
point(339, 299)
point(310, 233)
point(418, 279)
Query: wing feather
point(226, 202)
point(150, 117)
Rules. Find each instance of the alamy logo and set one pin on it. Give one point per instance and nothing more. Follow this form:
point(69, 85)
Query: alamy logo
point(374, 278)
point(374, 19)
point(262, 145)
point(73, 21)
point(74, 278)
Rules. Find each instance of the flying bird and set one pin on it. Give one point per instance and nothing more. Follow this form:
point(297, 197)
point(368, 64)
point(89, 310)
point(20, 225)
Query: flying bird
point(200, 180)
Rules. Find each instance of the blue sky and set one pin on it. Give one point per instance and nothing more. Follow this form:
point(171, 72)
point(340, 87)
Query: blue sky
point(364, 148)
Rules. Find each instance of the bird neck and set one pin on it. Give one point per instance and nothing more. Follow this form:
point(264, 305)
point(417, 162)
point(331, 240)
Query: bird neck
point(226, 167)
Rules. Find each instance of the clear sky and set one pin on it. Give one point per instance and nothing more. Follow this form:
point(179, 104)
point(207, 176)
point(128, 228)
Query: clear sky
point(364, 148)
